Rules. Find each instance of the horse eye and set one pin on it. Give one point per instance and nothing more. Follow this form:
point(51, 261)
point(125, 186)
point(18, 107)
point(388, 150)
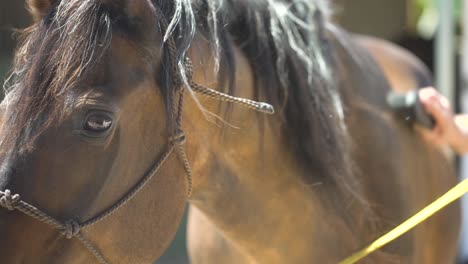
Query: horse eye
point(98, 123)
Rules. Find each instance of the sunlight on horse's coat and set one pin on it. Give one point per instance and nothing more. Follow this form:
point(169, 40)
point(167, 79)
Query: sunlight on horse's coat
point(329, 172)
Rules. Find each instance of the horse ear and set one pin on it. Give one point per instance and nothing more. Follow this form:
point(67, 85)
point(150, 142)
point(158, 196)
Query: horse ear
point(38, 8)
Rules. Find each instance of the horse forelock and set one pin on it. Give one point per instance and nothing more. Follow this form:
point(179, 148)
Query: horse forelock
point(54, 56)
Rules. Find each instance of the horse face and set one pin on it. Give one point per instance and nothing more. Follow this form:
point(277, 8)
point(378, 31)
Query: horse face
point(112, 128)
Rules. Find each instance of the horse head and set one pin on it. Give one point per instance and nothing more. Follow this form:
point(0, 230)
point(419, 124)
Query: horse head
point(88, 122)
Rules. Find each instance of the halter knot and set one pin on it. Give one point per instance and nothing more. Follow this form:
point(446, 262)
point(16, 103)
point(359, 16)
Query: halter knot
point(178, 138)
point(188, 69)
point(178, 79)
point(9, 201)
point(71, 229)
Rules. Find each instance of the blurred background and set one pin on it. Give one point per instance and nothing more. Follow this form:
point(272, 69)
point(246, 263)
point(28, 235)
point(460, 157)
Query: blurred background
point(431, 29)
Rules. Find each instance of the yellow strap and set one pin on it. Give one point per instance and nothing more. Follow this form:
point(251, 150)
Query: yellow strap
point(451, 196)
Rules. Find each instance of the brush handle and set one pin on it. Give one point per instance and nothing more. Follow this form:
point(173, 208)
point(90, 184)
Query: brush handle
point(409, 107)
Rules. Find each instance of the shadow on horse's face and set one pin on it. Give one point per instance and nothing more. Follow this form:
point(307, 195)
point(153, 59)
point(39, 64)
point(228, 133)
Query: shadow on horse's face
point(113, 129)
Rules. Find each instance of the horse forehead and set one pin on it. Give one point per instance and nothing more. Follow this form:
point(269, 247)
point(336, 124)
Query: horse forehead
point(126, 64)
point(133, 54)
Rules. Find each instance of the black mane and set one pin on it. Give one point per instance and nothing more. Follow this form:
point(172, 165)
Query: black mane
point(285, 42)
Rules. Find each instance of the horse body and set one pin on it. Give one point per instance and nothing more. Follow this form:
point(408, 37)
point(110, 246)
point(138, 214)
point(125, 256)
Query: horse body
point(329, 173)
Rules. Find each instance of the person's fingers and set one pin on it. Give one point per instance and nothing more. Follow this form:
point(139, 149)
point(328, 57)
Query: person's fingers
point(441, 114)
point(445, 102)
point(435, 101)
point(429, 93)
point(447, 130)
point(426, 93)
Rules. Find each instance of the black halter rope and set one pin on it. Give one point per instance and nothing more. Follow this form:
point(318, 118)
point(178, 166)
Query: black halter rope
point(72, 228)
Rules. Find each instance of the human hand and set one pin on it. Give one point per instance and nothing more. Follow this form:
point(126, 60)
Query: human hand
point(448, 129)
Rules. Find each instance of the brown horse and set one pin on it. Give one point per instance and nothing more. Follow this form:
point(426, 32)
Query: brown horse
point(94, 118)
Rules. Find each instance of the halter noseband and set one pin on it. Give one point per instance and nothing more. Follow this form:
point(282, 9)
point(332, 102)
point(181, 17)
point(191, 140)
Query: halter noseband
point(72, 228)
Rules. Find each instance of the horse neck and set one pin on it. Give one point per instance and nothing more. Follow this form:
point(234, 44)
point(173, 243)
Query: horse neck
point(223, 142)
point(244, 172)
